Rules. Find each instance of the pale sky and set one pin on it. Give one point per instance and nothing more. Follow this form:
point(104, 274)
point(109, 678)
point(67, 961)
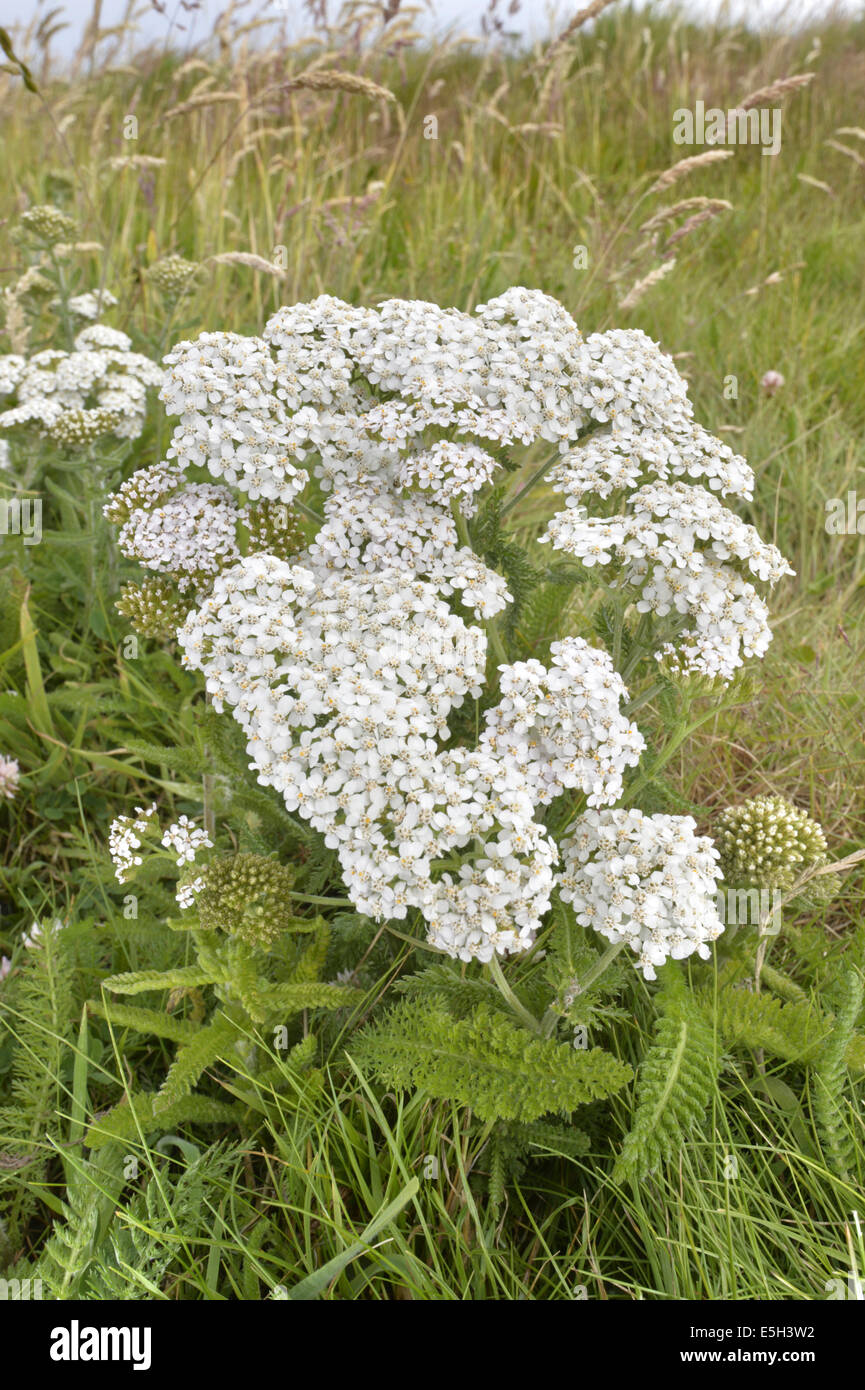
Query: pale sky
point(533, 18)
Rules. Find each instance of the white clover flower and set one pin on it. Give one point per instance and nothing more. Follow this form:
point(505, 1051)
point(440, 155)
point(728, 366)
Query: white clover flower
point(10, 773)
point(648, 881)
point(5, 967)
point(771, 383)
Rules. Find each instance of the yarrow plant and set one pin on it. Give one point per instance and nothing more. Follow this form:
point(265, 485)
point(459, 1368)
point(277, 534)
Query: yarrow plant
point(94, 387)
point(346, 651)
point(73, 398)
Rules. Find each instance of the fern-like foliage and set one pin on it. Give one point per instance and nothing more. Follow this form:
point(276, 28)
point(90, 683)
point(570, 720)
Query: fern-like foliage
point(182, 977)
point(187, 761)
point(792, 1031)
point(513, 1146)
point(37, 1022)
point(137, 1116)
point(161, 1025)
point(675, 1085)
point(504, 554)
point(136, 1256)
point(91, 1196)
point(209, 1044)
point(485, 1061)
point(459, 994)
point(541, 621)
point(831, 1110)
point(249, 1000)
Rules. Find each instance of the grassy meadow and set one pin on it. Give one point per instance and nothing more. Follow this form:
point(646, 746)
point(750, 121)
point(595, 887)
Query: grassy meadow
point(452, 172)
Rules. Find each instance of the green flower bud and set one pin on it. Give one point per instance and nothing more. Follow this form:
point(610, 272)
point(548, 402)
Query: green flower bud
point(274, 528)
point(154, 607)
point(46, 224)
point(173, 277)
point(768, 843)
point(246, 895)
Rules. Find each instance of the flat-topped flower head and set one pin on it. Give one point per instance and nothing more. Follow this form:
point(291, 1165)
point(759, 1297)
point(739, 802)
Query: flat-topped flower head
point(343, 644)
point(647, 881)
point(98, 390)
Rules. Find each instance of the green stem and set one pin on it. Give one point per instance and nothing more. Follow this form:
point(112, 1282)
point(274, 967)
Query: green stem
point(551, 1017)
point(415, 941)
point(600, 965)
point(540, 472)
point(618, 634)
point(321, 902)
point(535, 478)
point(64, 299)
point(307, 511)
point(507, 993)
point(668, 752)
point(637, 703)
point(497, 646)
point(462, 527)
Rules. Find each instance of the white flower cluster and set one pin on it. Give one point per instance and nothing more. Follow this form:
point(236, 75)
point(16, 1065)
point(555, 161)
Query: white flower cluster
point(343, 684)
point(224, 388)
point(126, 835)
point(450, 472)
point(74, 397)
point(186, 840)
point(124, 838)
point(648, 881)
point(190, 536)
point(675, 542)
point(342, 667)
point(563, 726)
point(92, 305)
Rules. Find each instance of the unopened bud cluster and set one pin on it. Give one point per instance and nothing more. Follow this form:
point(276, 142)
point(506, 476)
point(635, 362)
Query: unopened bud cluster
point(153, 607)
point(245, 895)
point(46, 224)
point(768, 843)
point(173, 277)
